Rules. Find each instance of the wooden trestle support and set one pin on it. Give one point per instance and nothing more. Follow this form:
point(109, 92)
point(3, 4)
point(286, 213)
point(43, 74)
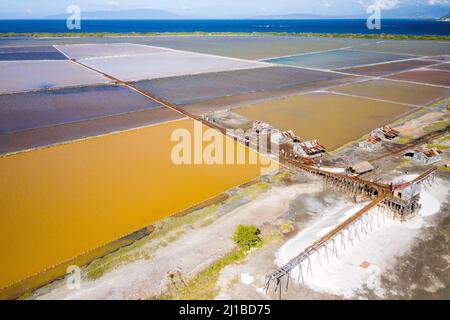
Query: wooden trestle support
point(346, 233)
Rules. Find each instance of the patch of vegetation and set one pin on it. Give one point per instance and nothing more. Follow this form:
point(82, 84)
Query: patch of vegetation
point(404, 163)
point(349, 144)
point(254, 190)
point(100, 266)
point(204, 204)
point(135, 251)
point(443, 140)
point(203, 285)
point(170, 224)
point(283, 177)
point(436, 126)
point(404, 139)
point(26, 296)
point(309, 34)
point(438, 146)
point(247, 237)
point(411, 116)
point(251, 192)
point(207, 222)
point(438, 103)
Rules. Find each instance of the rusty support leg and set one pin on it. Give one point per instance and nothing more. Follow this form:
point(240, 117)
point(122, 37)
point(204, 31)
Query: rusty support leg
point(300, 274)
point(279, 293)
point(326, 253)
point(309, 266)
point(267, 286)
point(318, 257)
point(287, 281)
point(335, 247)
point(277, 285)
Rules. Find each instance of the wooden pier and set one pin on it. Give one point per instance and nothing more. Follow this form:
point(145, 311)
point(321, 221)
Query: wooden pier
point(382, 201)
point(341, 182)
point(345, 233)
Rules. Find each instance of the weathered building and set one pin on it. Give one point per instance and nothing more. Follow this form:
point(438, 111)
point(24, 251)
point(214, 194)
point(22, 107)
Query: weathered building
point(278, 137)
point(360, 168)
point(261, 127)
point(424, 156)
point(310, 148)
point(385, 133)
point(408, 192)
point(371, 144)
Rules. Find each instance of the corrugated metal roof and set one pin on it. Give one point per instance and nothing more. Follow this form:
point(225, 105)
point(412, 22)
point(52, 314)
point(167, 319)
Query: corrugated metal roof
point(362, 167)
point(432, 152)
point(312, 146)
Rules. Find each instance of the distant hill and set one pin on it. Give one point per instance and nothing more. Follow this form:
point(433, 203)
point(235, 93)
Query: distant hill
point(445, 18)
point(415, 12)
point(402, 11)
point(136, 14)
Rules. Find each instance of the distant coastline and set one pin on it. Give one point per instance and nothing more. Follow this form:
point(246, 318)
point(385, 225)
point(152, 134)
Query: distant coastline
point(161, 34)
point(401, 28)
point(445, 18)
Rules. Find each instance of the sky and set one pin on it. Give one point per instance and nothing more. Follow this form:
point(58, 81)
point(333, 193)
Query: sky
point(215, 8)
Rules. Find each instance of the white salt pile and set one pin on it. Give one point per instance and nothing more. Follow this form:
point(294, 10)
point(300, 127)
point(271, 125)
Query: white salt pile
point(361, 264)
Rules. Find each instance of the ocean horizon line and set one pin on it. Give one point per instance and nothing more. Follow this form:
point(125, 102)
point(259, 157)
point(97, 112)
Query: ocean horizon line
point(310, 25)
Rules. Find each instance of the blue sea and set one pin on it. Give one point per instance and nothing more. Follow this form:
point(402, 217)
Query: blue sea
point(388, 26)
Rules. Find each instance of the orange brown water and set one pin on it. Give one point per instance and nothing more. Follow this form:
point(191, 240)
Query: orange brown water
point(396, 91)
point(332, 119)
point(59, 202)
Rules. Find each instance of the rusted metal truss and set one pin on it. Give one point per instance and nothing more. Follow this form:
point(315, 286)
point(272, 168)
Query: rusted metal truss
point(354, 227)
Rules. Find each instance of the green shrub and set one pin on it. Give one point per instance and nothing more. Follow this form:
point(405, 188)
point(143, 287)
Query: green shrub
point(247, 237)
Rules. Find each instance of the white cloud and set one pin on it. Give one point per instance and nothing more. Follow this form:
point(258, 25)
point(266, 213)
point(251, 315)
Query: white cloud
point(114, 4)
point(386, 4)
point(362, 3)
point(327, 5)
point(438, 2)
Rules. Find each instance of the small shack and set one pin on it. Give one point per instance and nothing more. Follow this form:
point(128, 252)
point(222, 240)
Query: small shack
point(291, 136)
point(385, 133)
point(360, 168)
point(407, 192)
point(424, 156)
point(371, 144)
point(261, 127)
point(310, 148)
point(284, 137)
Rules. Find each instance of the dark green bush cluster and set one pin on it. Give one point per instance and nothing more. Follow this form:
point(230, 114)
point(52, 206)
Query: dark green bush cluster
point(247, 237)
